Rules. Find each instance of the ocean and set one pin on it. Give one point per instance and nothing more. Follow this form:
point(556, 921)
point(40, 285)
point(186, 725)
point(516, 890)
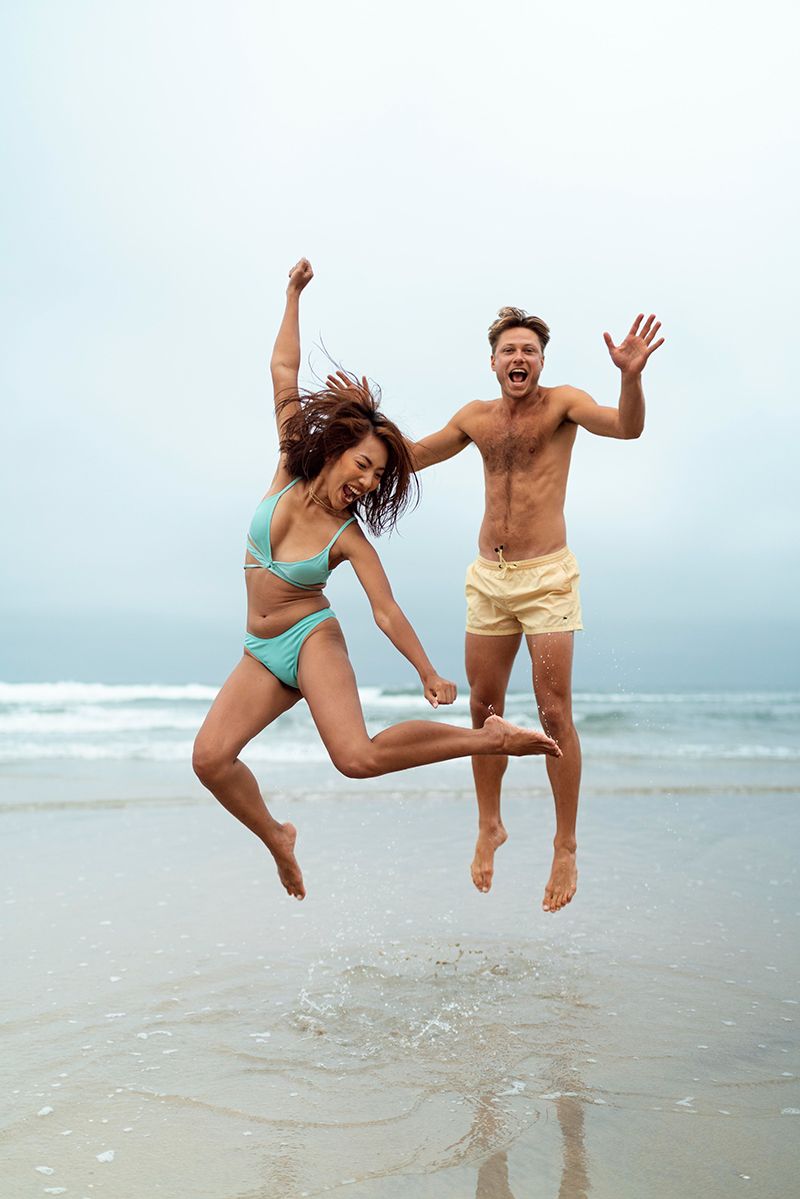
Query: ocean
point(756, 733)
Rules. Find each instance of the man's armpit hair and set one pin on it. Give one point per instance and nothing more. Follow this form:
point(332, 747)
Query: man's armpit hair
point(517, 318)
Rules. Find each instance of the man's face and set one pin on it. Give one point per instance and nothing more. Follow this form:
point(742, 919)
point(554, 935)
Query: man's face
point(517, 361)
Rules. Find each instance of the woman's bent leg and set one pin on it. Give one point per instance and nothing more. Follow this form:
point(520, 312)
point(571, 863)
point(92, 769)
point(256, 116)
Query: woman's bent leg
point(328, 684)
point(250, 699)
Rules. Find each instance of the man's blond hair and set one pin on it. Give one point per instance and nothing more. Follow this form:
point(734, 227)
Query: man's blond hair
point(517, 318)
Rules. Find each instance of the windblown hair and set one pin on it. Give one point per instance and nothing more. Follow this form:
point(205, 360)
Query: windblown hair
point(331, 421)
point(517, 318)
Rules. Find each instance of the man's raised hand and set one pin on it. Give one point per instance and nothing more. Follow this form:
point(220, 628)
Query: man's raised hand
point(300, 274)
point(631, 354)
point(341, 381)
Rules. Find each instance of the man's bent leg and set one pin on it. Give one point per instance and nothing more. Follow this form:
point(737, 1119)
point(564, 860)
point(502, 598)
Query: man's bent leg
point(551, 656)
point(488, 661)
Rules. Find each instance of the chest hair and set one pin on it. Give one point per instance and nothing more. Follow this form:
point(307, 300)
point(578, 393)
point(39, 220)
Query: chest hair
point(513, 446)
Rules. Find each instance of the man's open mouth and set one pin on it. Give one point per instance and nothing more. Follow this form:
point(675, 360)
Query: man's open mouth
point(518, 376)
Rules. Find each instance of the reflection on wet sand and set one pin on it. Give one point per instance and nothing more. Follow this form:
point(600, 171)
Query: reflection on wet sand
point(493, 1180)
point(489, 1042)
point(574, 1176)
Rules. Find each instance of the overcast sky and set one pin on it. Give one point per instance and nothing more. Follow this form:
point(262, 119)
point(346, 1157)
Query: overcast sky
point(166, 164)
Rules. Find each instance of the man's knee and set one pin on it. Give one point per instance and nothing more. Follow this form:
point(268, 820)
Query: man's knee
point(480, 711)
point(485, 701)
point(556, 717)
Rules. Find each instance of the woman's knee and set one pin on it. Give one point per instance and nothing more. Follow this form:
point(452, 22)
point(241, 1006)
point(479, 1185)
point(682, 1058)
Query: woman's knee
point(358, 762)
point(209, 762)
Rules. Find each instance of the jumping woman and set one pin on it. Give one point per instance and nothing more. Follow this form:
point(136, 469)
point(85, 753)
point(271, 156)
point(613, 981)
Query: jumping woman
point(341, 461)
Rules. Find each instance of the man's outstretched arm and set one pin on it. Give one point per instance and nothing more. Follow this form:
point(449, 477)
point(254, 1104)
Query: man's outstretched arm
point(630, 356)
point(436, 447)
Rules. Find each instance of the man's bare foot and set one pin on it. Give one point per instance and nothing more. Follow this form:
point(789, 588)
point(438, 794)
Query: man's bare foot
point(489, 839)
point(519, 742)
point(563, 881)
point(281, 846)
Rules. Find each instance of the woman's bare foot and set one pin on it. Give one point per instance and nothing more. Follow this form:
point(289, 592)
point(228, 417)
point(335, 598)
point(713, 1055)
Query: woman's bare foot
point(281, 845)
point(563, 881)
point(519, 742)
point(489, 839)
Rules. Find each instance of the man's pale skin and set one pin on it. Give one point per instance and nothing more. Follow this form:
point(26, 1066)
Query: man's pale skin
point(525, 438)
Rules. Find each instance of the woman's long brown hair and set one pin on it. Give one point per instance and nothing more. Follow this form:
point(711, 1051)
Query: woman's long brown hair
point(330, 421)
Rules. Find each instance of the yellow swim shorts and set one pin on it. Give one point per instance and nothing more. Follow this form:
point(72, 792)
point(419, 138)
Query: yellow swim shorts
point(539, 595)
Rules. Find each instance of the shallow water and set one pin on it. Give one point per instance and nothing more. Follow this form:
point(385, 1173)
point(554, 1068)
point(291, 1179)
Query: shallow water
point(398, 1034)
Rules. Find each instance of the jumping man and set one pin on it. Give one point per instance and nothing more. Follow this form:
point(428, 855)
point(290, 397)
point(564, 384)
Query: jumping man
point(525, 579)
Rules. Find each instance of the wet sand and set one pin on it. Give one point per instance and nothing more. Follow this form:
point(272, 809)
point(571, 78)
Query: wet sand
point(176, 1025)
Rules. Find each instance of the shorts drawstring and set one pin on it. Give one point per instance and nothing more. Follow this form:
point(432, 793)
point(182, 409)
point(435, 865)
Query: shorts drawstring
point(502, 565)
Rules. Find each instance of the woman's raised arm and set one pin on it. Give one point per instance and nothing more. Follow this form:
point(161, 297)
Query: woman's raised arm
point(285, 361)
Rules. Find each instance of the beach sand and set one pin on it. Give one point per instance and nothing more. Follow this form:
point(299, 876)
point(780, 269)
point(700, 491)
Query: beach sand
point(176, 1025)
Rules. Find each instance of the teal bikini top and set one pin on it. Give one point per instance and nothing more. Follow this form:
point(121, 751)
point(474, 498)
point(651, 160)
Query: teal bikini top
point(310, 573)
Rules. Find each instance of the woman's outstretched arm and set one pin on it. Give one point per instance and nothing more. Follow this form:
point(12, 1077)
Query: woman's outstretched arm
point(285, 362)
point(390, 618)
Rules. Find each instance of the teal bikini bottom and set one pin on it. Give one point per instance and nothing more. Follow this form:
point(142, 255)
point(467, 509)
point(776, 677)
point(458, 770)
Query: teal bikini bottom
point(281, 654)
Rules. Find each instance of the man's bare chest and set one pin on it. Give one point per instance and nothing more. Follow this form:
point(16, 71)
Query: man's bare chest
point(519, 445)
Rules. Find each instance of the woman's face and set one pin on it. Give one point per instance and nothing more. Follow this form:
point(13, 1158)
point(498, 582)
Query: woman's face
point(357, 471)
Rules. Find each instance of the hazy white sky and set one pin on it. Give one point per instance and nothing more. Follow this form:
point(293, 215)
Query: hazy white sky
point(166, 164)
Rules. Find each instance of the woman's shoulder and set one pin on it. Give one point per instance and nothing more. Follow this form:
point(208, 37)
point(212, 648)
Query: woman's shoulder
point(351, 539)
point(281, 481)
